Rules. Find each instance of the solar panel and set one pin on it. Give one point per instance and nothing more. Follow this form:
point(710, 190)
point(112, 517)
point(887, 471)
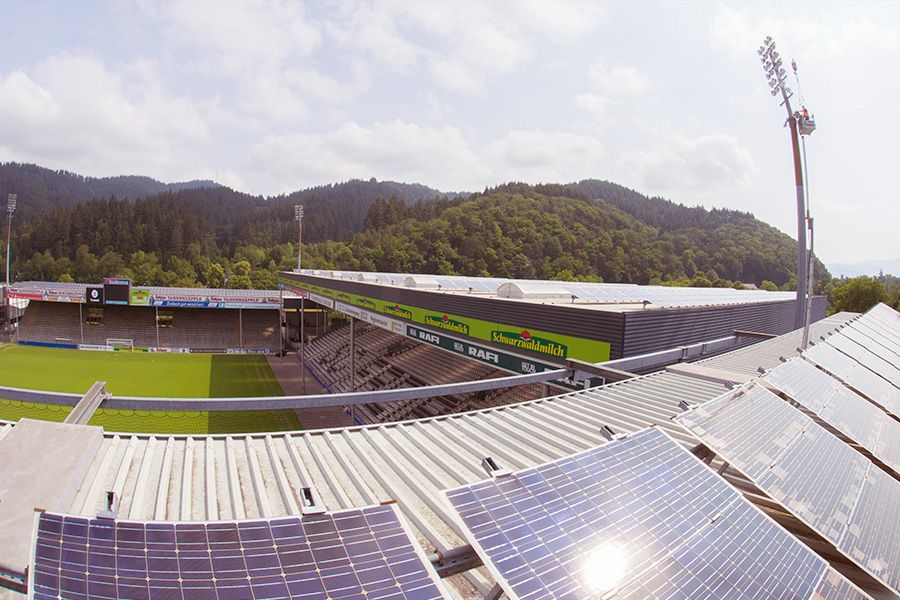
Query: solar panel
point(880, 347)
point(865, 357)
point(878, 332)
point(349, 554)
point(842, 408)
point(874, 387)
point(825, 483)
point(639, 517)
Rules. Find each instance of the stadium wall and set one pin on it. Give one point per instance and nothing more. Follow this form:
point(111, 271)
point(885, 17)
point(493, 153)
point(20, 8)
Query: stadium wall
point(651, 331)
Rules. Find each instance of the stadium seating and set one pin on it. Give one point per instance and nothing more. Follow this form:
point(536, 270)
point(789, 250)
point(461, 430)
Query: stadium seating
point(211, 329)
point(387, 361)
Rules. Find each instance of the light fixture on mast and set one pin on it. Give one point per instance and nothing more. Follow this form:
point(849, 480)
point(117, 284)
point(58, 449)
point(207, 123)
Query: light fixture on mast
point(10, 209)
point(798, 123)
point(298, 216)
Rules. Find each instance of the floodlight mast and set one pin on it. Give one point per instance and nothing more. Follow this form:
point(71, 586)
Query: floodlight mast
point(298, 216)
point(777, 76)
point(10, 209)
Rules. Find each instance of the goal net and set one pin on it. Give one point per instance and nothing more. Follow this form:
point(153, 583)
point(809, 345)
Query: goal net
point(120, 343)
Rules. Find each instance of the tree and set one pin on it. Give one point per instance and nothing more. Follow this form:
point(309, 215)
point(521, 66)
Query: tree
point(858, 294)
point(215, 276)
point(769, 286)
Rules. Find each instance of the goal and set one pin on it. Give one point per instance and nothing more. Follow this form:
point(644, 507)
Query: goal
point(120, 344)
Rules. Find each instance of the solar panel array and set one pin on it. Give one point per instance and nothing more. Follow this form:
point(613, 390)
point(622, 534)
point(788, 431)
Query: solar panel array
point(832, 488)
point(349, 554)
point(841, 407)
point(639, 517)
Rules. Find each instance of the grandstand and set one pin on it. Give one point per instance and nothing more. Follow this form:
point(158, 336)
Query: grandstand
point(263, 477)
point(168, 319)
point(385, 360)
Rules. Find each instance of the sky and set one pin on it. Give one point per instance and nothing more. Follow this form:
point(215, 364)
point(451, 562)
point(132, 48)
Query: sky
point(666, 98)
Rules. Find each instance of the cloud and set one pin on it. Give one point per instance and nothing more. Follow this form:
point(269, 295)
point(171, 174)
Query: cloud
point(691, 166)
point(739, 33)
point(618, 82)
point(536, 156)
point(386, 150)
point(71, 110)
point(462, 45)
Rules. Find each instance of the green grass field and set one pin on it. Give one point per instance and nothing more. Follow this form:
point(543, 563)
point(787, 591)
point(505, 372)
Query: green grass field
point(142, 374)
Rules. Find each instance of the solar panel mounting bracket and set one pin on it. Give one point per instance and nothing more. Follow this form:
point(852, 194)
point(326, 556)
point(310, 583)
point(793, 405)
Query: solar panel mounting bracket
point(491, 467)
point(309, 502)
point(110, 506)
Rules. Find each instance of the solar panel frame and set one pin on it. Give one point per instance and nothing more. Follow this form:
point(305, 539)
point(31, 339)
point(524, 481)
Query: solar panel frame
point(347, 553)
point(656, 502)
point(847, 480)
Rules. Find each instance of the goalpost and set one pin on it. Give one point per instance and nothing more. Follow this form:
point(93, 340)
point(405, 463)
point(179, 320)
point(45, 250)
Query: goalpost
point(120, 343)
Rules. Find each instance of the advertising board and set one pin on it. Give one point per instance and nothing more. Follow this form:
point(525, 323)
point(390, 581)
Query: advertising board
point(139, 297)
point(94, 295)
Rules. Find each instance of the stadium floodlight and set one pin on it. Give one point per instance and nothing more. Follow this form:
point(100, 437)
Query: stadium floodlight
point(10, 209)
point(298, 216)
point(771, 63)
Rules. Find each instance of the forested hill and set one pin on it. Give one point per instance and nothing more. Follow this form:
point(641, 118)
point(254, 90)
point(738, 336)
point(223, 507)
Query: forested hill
point(41, 190)
point(589, 230)
point(553, 232)
point(338, 211)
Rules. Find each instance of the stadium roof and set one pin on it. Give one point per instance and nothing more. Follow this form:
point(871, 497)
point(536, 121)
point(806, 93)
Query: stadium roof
point(160, 477)
point(609, 296)
point(78, 289)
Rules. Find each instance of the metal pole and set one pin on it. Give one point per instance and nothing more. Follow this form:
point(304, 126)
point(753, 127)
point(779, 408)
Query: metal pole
point(302, 341)
point(809, 296)
point(800, 309)
point(241, 328)
point(156, 313)
point(81, 320)
point(8, 243)
point(352, 357)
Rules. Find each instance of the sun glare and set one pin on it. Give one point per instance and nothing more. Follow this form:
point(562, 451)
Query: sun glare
point(604, 567)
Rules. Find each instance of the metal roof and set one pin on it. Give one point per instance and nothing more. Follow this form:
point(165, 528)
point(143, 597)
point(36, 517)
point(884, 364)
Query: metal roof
point(548, 291)
point(79, 289)
point(262, 475)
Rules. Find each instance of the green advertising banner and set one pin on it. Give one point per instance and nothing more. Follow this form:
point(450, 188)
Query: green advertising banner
point(139, 297)
point(554, 346)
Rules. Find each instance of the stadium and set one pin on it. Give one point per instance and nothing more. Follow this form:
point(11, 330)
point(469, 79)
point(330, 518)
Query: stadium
point(360, 434)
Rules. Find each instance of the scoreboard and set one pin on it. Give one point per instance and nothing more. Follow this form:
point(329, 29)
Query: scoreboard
point(116, 291)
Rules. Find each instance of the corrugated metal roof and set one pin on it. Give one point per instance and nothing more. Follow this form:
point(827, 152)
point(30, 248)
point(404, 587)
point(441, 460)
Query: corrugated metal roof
point(586, 293)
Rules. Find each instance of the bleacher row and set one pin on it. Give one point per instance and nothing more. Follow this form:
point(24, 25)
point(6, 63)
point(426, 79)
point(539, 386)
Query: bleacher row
point(53, 322)
point(388, 361)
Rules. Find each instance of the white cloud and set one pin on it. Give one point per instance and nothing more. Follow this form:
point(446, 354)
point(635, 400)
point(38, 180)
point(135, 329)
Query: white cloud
point(536, 156)
point(739, 33)
point(74, 112)
point(618, 82)
point(691, 167)
point(463, 45)
point(386, 150)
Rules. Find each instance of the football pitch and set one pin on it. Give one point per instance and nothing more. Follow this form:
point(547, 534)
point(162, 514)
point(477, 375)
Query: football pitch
point(143, 374)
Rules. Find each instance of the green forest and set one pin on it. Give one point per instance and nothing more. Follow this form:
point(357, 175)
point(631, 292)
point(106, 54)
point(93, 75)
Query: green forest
point(202, 234)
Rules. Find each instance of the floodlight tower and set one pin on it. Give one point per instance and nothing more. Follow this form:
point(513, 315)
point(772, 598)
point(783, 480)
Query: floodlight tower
point(298, 216)
point(10, 209)
point(777, 76)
